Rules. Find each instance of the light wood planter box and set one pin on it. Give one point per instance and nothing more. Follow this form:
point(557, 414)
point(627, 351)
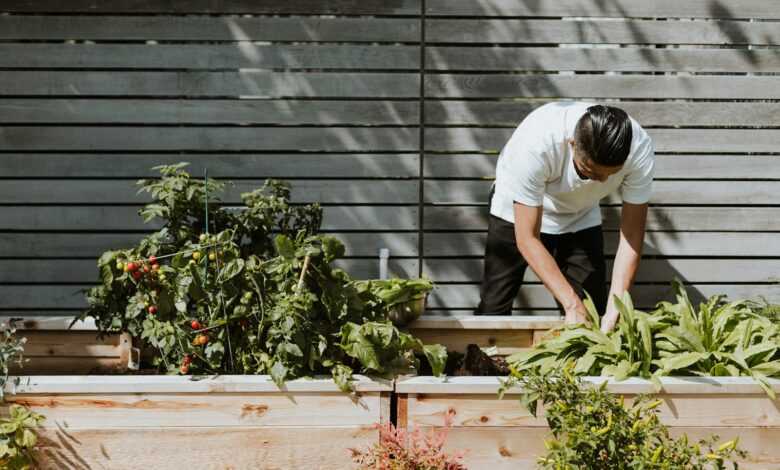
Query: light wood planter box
point(507, 334)
point(501, 434)
point(237, 422)
point(54, 347)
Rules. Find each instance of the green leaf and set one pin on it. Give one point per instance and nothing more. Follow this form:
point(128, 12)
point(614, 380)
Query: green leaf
point(232, 269)
point(437, 357)
point(284, 247)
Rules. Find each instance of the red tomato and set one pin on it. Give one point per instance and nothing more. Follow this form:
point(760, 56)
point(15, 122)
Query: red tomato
point(152, 309)
point(195, 324)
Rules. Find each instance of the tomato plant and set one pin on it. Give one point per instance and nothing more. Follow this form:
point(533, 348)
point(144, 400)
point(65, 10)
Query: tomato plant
point(257, 294)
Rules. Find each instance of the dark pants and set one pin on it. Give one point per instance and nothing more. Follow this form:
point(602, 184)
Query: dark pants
point(580, 255)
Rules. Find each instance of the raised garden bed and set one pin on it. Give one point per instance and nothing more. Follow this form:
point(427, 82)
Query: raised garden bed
point(54, 347)
point(501, 434)
point(504, 334)
point(123, 422)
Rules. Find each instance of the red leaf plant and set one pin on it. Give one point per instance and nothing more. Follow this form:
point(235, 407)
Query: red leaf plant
point(399, 449)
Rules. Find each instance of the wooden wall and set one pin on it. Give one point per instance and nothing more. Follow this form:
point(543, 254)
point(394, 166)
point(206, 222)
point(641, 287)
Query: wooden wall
point(389, 112)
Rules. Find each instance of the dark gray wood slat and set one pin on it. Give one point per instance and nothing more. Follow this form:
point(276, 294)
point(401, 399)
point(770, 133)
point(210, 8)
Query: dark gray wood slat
point(254, 83)
point(504, 113)
point(668, 219)
point(92, 245)
point(208, 28)
point(106, 191)
point(650, 270)
point(589, 59)
point(664, 192)
point(755, 244)
point(117, 165)
point(81, 271)
point(459, 139)
point(122, 218)
point(466, 296)
point(209, 56)
point(245, 111)
point(555, 31)
point(598, 8)
point(129, 138)
point(667, 166)
point(439, 85)
point(313, 7)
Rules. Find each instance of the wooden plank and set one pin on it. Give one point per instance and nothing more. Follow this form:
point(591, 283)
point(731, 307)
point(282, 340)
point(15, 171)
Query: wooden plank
point(687, 385)
point(535, 296)
point(618, 8)
point(189, 84)
point(757, 219)
point(180, 384)
point(306, 7)
point(721, 167)
point(485, 322)
point(505, 342)
point(510, 113)
point(135, 138)
point(755, 244)
point(517, 448)
point(95, 411)
point(209, 28)
point(650, 270)
point(83, 271)
point(31, 325)
point(597, 86)
point(121, 218)
point(92, 245)
point(211, 112)
point(588, 59)
point(69, 365)
point(110, 191)
point(212, 56)
point(467, 139)
point(622, 31)
point(224, 165)
point(664, 192)
point(309, 447)
point(32, 350)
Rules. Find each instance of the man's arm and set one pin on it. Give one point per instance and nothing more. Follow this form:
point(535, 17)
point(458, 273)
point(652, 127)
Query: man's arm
point(528, 221)
point(629, 253)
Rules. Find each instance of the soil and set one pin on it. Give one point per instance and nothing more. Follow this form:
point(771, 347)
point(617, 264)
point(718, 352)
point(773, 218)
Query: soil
point(474, 363)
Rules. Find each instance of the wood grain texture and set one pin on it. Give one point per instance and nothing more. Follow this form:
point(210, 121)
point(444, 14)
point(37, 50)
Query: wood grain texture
point(466, 139)
point(208, 57)
point(383, 7)
point(208, 447)
point(247, 83)
point(619, 8)
point(126, 218)
point(92, 138)
point(589, 31)
point(712, 166)
point(712, 244)
point(211, 112)
point(505, 342)
point(475, 85)
point(209, 28)
point(221, 165)
point(668, 219)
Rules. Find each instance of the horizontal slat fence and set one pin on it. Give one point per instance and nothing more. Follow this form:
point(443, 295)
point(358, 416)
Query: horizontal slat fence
point(325, 95)
point(389, 113)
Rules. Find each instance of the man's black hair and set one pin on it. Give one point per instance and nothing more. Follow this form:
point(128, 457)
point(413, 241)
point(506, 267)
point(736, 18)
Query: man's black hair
point(603, 133)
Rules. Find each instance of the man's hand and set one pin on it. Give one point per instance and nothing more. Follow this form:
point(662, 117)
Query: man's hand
point(576, 313)
point(610, 318)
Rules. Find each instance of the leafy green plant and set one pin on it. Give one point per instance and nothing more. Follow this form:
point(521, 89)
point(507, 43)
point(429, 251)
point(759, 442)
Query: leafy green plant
point(403, 299)
point(257, 294)
point(18, 438)
point(719, 338)
point(592, 428)
point(399, 449)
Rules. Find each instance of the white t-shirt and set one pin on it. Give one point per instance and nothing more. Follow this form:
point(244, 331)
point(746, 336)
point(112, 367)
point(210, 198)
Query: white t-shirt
point(536, 168)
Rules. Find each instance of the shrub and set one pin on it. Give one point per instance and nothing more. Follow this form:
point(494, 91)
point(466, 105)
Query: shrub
point(18, 438)
point(594, 429)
